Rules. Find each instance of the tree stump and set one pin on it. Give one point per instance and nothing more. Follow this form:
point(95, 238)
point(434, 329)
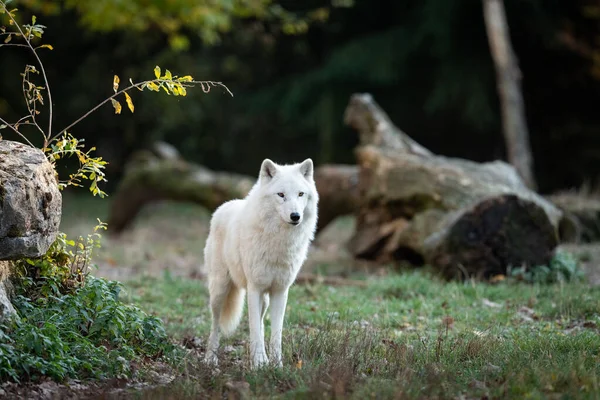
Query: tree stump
point(462, 217)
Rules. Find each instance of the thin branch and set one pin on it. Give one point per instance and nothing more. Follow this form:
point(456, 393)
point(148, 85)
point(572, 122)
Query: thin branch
point(16, 131)
point(49, 133)
point(135, 85)
point(33, 110)
point(13, 44)
point(213, 84)
point(78, 120)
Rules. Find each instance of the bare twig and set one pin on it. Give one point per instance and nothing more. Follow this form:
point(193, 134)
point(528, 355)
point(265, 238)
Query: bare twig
point(50, 107)
point(16, 131)
point(13, 45)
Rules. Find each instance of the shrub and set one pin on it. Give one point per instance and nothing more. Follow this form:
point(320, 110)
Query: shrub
point(563, 267)
point(88, 333)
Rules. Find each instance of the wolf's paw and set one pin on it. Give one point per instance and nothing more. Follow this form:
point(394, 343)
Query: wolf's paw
point(259, 360)
point(276, 361)
point(211, 359)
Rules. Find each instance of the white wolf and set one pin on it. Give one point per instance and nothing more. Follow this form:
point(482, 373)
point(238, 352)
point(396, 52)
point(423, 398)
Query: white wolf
point(258, 245)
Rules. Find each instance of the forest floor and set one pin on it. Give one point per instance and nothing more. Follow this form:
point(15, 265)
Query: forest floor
point(384, 332)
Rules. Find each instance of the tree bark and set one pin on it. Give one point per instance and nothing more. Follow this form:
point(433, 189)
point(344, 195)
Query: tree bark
point(516, 135)
point(462, 217)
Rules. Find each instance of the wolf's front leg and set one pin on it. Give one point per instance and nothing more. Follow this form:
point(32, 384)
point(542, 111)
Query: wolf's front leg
point(258, 355)
point(278, 303)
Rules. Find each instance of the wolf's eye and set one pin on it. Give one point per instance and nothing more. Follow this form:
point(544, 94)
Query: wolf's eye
point(280, 194)
point(301, 194)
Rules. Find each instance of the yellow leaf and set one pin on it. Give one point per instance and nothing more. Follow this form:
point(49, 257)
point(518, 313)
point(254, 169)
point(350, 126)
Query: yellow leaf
point(168, 74)
point(152, 86)
point(157, 72)
point(187, 78)
point(47, 46)
point(116, 83)
point(129, 102)
point(8, 39)
point(116, 105)
point(182, 91)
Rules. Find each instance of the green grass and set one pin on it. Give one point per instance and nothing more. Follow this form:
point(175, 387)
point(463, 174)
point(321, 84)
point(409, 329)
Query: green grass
point(404, 335)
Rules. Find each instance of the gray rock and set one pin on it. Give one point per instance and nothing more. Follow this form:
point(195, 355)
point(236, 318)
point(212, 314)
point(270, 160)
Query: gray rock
point(30, 202)
point(6, 307)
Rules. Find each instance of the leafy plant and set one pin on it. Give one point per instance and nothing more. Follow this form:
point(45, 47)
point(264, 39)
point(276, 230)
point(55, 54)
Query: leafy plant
point(63, 268)
point(62, 144)
point(88, 333)
point(563, 267)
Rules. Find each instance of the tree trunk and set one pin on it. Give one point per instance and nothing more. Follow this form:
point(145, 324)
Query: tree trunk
point(160, 174)
point(514, 124)
point(462, 217)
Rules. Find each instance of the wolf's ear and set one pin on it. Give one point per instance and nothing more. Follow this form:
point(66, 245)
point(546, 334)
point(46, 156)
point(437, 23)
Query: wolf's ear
point(307, 168)
point(268, 169)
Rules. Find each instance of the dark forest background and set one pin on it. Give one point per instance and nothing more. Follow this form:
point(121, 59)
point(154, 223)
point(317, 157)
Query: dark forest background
point(292, 66)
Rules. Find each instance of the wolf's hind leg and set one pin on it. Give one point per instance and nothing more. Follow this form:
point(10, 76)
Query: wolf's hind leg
point(219, 289)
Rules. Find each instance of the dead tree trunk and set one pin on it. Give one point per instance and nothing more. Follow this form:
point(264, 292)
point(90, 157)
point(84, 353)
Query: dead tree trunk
point(160, 174)
point(516, 135)
point(462, 217)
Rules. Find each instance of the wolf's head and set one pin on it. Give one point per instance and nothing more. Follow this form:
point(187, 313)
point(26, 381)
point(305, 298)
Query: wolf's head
point(289, 189)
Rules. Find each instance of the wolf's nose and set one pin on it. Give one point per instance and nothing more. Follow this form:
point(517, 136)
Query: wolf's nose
point(295, 216)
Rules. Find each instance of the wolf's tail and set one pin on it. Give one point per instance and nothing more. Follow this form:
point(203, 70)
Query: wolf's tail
point(232, 310)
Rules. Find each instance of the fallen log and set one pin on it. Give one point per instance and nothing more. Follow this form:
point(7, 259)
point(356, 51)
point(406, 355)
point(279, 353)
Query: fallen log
point(584, 211)
point(161, 174)
point(463, 217)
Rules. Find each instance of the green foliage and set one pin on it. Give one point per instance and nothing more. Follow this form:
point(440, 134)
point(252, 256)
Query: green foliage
point(63, 144)
point(208, 19)
point(71, 324)
point(563, 267)
point(90, 168)
point(61, 270)
point(88, 333)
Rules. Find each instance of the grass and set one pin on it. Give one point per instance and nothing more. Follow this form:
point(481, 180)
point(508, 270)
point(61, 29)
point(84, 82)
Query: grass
point(404, 335)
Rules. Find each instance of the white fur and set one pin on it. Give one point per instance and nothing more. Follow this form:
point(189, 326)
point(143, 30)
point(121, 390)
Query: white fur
point(253, 247)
